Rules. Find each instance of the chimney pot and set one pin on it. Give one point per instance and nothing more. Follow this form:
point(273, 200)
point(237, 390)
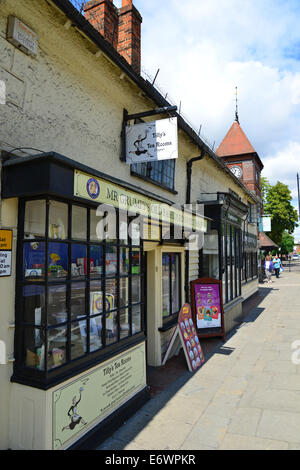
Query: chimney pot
point(126, 3)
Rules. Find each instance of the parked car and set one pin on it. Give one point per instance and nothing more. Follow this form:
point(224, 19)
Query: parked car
point(296, 256)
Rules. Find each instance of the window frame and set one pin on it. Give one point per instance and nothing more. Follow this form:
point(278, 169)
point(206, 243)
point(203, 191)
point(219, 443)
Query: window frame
point(232, 256)
point(46, 378)
point(147, 178)
point(172, 317)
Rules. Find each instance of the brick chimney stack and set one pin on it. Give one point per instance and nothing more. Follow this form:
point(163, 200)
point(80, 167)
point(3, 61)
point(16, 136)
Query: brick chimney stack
point(103, 15)
point(129, 44)
point(120, 27)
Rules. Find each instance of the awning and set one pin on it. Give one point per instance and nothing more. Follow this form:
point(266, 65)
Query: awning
point(265, 242)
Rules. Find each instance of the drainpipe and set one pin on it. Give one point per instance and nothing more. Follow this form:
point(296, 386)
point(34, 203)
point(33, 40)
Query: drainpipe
point(188, 201)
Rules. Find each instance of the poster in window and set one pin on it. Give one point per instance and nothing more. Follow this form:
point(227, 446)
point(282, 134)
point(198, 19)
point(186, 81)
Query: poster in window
point(208, 313)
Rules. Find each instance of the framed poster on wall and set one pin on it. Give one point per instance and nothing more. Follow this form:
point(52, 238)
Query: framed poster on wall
point(207, 307)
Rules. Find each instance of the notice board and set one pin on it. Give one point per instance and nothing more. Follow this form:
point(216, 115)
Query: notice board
point(207, 307)
point(185, 336)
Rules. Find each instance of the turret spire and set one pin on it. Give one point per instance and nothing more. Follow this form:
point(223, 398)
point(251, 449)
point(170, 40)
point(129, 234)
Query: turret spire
point(236, 106)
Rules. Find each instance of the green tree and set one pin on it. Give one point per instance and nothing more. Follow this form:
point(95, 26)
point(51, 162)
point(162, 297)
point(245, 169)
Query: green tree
point(277, 204)
point(265, 186)
point(287, 243)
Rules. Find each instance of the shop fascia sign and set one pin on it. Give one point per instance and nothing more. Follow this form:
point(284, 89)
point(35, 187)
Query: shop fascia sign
point(21, 36)
point(104, 192)
point(152, 141)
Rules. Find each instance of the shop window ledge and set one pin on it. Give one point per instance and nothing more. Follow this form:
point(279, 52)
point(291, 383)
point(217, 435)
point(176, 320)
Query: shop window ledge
point(232, 303)
point(167, 326)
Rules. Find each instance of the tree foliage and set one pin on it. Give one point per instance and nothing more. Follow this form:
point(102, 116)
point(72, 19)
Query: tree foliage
point(277, 204)
point(287, 243)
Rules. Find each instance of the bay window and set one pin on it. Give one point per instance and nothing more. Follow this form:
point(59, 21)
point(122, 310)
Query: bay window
point(78, 296)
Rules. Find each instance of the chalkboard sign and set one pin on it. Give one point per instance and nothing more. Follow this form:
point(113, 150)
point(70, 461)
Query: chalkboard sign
point(207, 303)
point(185, 336)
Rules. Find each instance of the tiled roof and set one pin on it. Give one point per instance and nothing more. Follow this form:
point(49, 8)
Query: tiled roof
point(235, 142)
point(265, 241)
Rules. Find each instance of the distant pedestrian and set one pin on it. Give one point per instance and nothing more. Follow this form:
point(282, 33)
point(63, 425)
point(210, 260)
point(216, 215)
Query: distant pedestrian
point(269, 267)
point(277, 265)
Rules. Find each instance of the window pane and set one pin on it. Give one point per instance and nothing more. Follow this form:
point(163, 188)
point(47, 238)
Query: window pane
point(34, 261)
point(96, 255)
point(159, 171)
point(124, 292)
point(136, 261)
point(35, 219)
point(58, 261)
point(111, 294)
point(166, 285)
point(93, 227)
point(111, 260)
point(136, 289)
point(123, 227)
point(175, 273)
point(57, 346)
point(34, 304)
point(111, 328)
point(78, 306)
point(57, 305)
point(111, 227)
point(79, 223)
point(58, 220)
point(34, 345)
point(124, 323)
point(79, 261)
point(96, 298)
point(124, 260)
point(136, 319)
point(135, 234)
point(95, 333)
point(78, 339)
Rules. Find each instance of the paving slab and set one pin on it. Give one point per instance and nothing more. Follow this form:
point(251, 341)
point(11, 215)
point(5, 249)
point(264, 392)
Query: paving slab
point(238, 442)
point(280, 425)
point(245, 421)
point(248, 399)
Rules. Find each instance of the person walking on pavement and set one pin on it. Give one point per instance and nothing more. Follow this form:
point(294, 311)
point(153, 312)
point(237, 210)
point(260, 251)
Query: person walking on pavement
point(269, 267)
point(277, 265)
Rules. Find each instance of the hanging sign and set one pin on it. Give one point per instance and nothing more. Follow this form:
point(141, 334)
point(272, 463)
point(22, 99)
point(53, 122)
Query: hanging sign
point(5, 252)
point(185, 336)
point(207, 305)
point(266, 224)
point(152, 141)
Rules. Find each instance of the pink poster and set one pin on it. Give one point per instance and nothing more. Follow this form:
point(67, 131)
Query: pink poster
point(208, 306)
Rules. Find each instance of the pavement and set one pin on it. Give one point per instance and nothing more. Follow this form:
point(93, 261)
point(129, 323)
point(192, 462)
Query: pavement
point(245, 397)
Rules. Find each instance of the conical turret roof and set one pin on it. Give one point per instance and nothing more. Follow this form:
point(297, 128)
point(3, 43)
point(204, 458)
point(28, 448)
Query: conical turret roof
point(235, 142)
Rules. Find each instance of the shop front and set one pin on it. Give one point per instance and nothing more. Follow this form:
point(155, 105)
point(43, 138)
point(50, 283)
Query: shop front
point(98, 288)
point(250, 270)
point(222, 254)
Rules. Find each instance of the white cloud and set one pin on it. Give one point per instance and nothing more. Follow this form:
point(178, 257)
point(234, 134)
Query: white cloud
point(204, 49)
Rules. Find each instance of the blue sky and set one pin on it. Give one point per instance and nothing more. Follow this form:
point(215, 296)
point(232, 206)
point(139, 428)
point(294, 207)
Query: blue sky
point(204, 49)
